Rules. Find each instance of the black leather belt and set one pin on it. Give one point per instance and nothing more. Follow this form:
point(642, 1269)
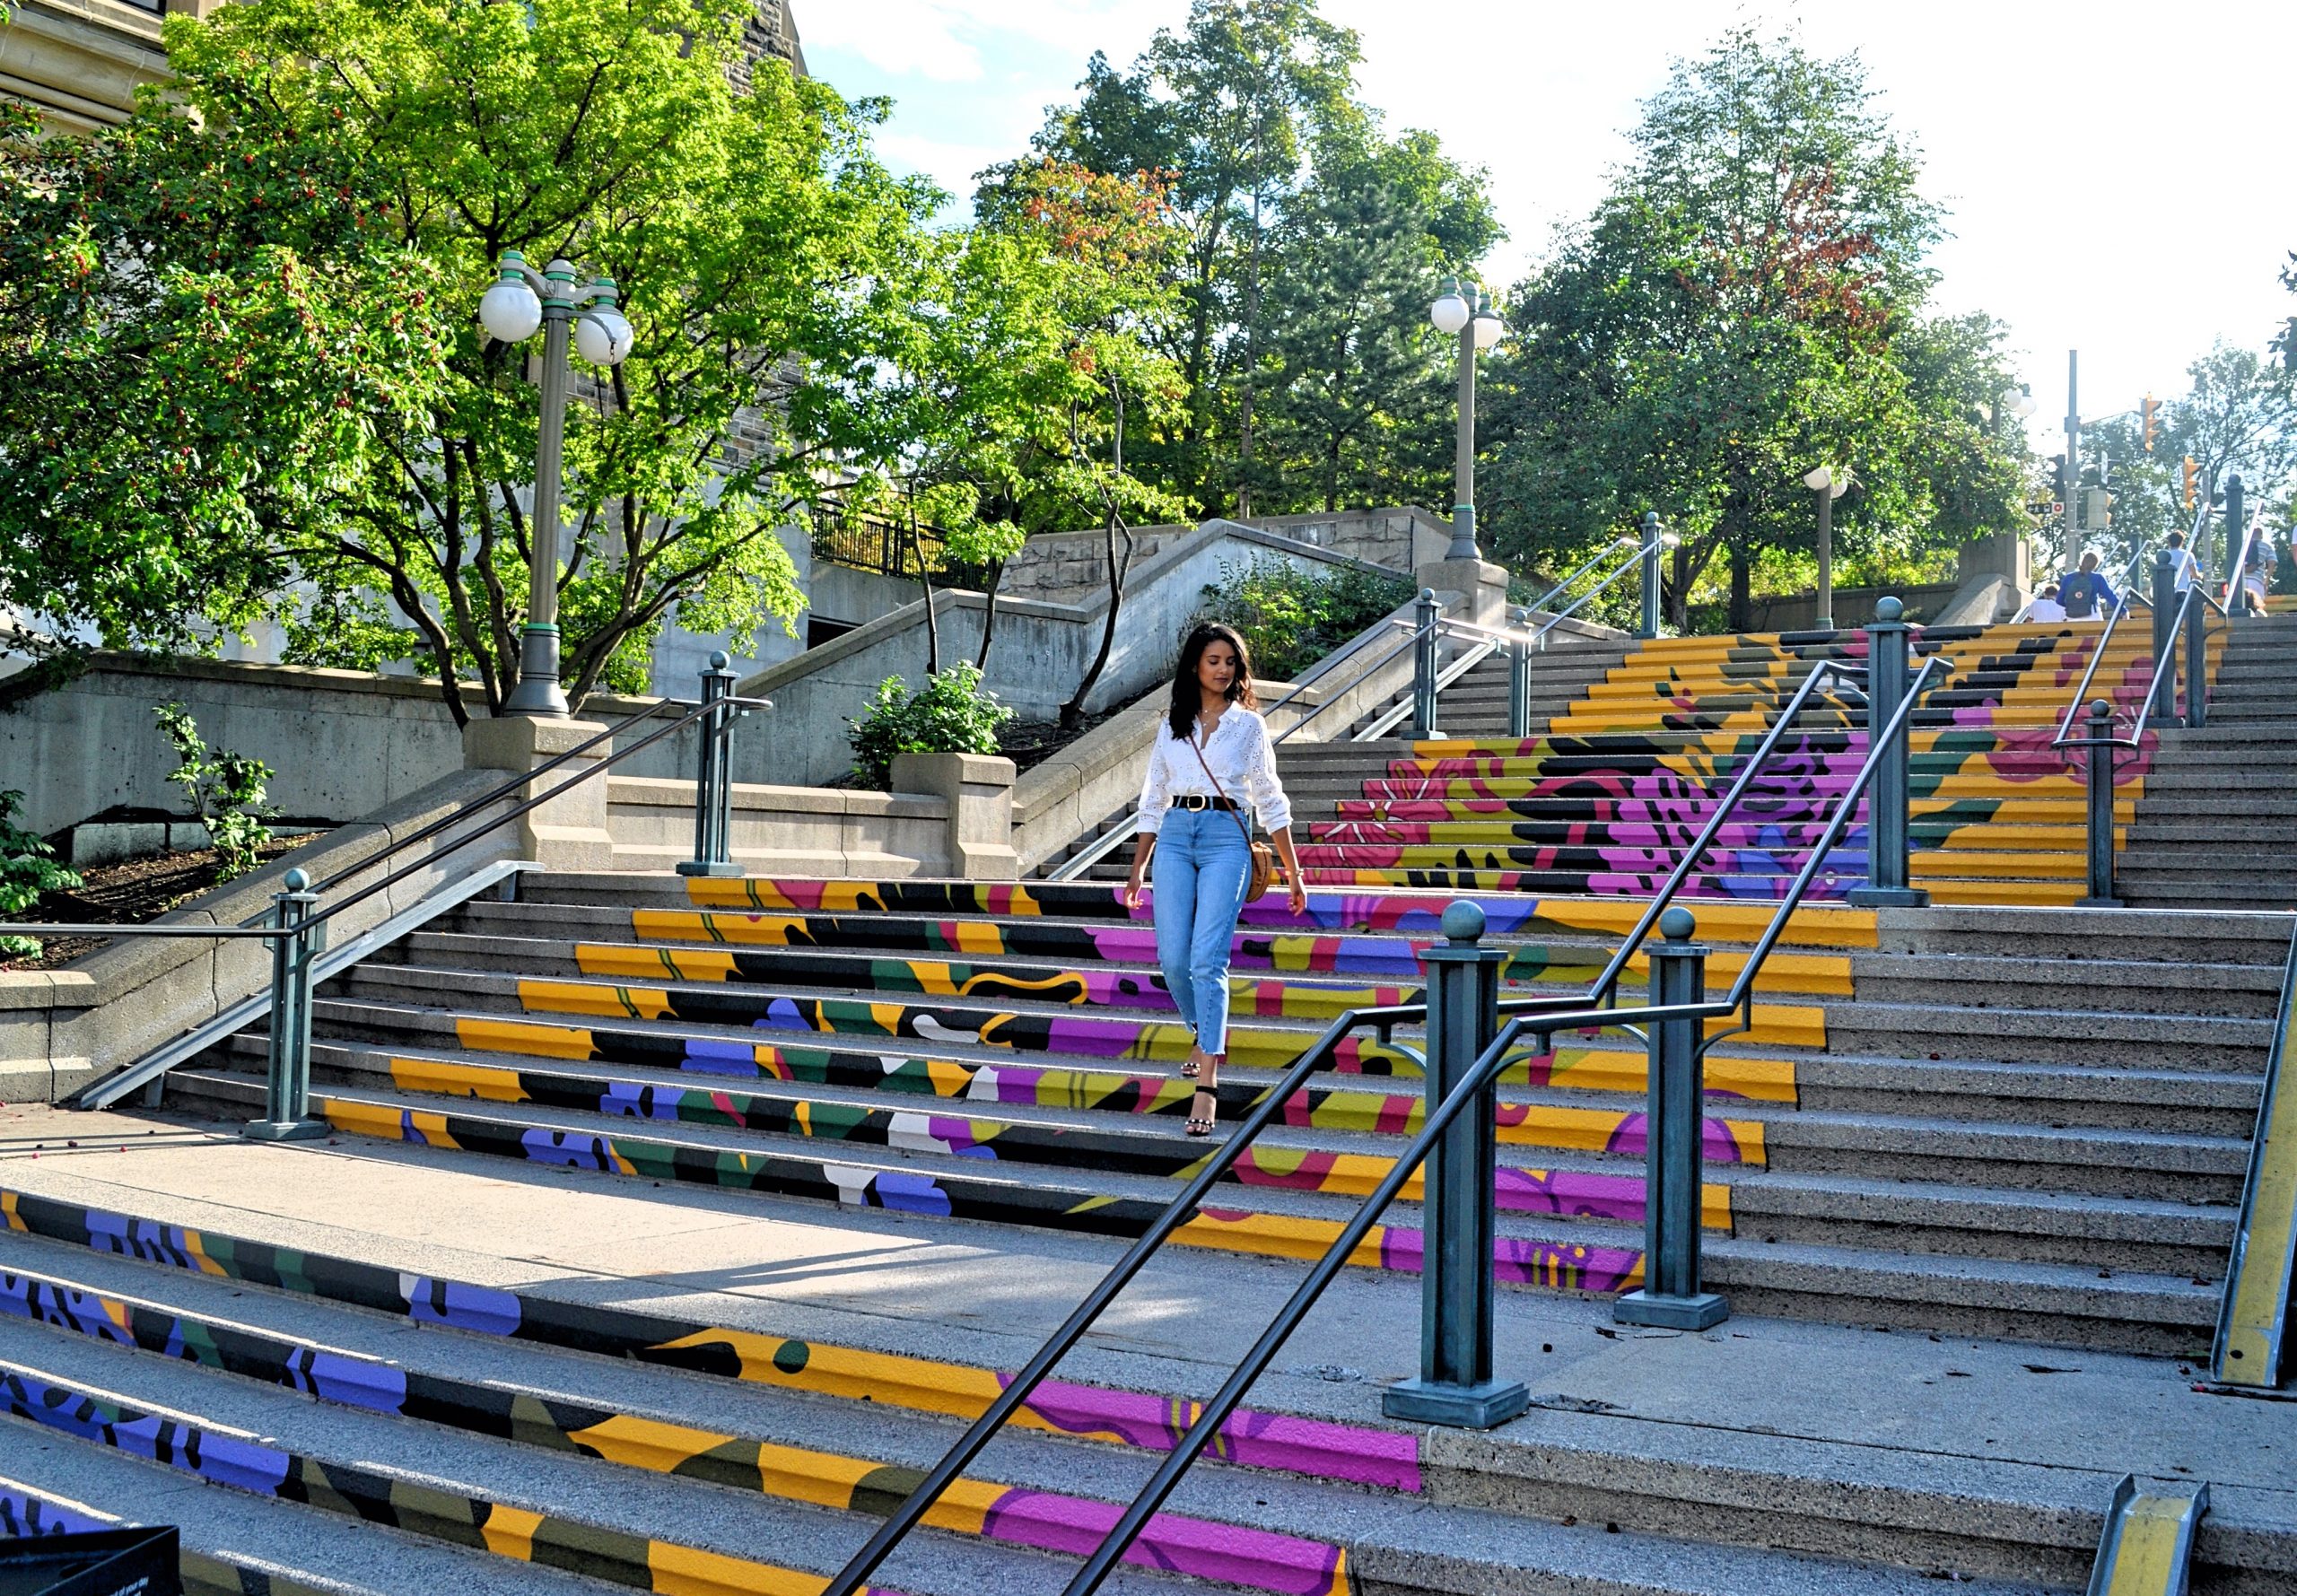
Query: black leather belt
point(1197, 800)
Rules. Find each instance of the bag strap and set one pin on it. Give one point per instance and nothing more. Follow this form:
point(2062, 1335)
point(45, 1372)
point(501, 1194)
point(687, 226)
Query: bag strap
point(1235, 814)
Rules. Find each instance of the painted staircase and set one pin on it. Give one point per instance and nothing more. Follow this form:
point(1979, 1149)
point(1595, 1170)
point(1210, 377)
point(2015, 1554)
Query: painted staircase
point(1605, 796)
point(1976, 1121)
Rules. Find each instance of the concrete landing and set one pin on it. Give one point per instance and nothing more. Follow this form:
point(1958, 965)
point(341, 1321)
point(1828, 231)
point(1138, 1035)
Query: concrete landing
point(878, 1279)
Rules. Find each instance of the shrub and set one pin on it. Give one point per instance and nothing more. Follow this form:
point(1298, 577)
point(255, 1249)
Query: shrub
point(1291, 618)
point(28, 868)
point(225, 790)
point(952, 713)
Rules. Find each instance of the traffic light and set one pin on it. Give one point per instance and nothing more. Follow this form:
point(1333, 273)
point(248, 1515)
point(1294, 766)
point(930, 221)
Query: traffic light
point(2151, 405)
point(2097, 509)
point(2193, 477)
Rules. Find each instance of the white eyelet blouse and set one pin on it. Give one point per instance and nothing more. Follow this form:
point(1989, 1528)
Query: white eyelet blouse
point(1241, 753)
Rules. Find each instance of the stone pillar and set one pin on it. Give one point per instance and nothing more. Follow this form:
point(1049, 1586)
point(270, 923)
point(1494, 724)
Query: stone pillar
point(978, 788)
point(570, 832)
point(1480, 585)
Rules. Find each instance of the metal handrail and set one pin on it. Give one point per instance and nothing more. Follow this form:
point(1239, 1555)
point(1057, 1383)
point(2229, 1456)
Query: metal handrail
point(1479, 1078)
point(1604, 988)
point(2253, 1308)
point(1601, 554)
point(1391, 717)
point(1637, 551)
point(2163, 668)
point(1633, 561)
point(1598, 1009)
point(2096, 655)
point(273, 932)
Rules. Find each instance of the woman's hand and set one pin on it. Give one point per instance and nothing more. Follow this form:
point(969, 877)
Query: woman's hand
point(1295, 895)
point(1295, 891)
point(1133, 888)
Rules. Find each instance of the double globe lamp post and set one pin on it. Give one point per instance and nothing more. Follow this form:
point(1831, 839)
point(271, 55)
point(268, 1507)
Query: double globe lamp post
point(1468, 313)
point(552, 299)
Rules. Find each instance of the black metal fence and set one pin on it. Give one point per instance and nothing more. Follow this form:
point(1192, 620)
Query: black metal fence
point(884, 547)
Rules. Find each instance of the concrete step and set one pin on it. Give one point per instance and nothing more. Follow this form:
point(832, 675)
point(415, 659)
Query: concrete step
point(2052, 1035)
point(2147, 987)
point(581, 1514)
point(1579, 1478)
point(2077, 1304)
point(2229, 936)
point(238, 1544)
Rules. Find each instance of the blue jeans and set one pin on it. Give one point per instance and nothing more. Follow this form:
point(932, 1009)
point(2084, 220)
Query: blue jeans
point(1199, 871)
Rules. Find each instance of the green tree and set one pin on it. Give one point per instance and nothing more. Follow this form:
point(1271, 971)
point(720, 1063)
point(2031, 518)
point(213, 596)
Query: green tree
point(1250, 110)
point(307, 253)
point(1355, 406)
point(2239, 415)
point(1746, 305)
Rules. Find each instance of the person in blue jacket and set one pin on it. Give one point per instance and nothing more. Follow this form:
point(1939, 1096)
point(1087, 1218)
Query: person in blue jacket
point(2085, 593)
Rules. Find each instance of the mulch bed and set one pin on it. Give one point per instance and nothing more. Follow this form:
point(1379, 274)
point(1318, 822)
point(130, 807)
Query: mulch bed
point(130, 892)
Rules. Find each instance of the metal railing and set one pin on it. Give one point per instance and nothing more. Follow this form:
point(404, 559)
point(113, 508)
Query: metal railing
point(2178, 619)
point(295, 927)
point(1466, 1052)
point(2261, 1277)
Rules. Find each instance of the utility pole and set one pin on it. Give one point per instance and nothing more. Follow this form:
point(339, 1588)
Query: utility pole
point(2070, 487)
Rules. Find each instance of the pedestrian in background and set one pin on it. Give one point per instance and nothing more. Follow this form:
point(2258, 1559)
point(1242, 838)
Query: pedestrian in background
point(2085, 592)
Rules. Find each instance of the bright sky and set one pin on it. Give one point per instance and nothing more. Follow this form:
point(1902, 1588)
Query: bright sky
point(2122, 179)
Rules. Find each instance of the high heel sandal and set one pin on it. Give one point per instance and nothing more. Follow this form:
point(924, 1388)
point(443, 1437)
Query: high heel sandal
point(1189, 1069)
point(1209, 1100)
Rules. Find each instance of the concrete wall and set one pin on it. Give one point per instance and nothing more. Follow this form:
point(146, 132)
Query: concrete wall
point(1853, 607)
point(61, 1029)
point(1070, 566)
point(1039, 654)
point(789, 831)
point(342, 744)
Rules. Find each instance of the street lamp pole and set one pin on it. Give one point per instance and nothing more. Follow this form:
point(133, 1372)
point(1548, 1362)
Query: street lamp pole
point(553, 299)
point(1468, 313)
point(2070, 487)
point(1830, 485)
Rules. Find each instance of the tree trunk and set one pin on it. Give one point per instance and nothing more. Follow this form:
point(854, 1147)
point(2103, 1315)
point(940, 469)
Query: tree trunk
point(1741, 589)
point(1072, 713)
point(925, 581)
point(988, 614)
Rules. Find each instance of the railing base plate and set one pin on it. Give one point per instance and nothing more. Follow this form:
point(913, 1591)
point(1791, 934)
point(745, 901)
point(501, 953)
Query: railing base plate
point(284, 1129)
point(1466, 1407)
point(1887, 897)
point(2100, 903)
point(1703, 1311)
point(694, 866)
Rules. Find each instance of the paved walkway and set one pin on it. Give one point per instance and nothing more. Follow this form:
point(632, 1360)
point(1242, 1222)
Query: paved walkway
point(899, 1283)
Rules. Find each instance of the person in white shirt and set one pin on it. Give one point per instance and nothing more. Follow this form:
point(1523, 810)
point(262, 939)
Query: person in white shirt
point(2181, 565)
point(2046, 607)
point(1213, 754)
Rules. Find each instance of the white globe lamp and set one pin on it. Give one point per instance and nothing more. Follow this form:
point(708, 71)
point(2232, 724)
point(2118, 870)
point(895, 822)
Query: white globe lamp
point(511, 311)
point(1450, 312)
point(602, 337)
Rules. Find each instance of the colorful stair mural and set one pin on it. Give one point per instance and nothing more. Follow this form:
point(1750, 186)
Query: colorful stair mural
point(1607, 798)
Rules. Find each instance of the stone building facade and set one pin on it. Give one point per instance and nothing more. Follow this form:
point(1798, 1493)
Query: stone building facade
point(80, 62)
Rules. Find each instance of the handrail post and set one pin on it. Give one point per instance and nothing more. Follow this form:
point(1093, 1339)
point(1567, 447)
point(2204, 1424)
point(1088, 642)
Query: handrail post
point(2197, 626)
point(2099, 731)
point(1519, 687)
point(1674, 1169)
point(1650, 574)
point(2165, 624)
point(287, 1090)
point(1455, 1386)
point(713, 786)
point(1426, 614)
point(1888, 641)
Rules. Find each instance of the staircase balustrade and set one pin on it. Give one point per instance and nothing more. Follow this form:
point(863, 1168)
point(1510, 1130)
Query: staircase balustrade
point(296, 926)
point(1468, 1047)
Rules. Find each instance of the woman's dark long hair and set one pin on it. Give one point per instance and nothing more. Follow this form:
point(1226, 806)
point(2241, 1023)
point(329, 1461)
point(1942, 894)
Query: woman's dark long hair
point(1188, 698)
